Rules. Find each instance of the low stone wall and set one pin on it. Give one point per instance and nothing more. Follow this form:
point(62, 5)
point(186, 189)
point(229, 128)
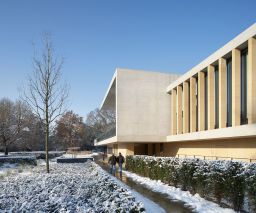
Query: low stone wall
point(39, 154)
point(74, 160)
point(31, 160)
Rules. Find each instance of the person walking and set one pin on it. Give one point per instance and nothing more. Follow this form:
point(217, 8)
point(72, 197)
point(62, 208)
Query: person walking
point(120, 161)
point(112, 163)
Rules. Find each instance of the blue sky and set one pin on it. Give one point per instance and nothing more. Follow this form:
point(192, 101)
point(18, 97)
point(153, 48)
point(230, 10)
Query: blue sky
point(96, 36)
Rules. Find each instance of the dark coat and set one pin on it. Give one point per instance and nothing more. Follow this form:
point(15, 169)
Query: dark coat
point(112, 160)
point(120, 159)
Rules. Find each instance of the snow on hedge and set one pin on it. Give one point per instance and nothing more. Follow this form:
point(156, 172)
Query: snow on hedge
point(19, 159)
point(193, 202)
point(67, 188)
point(39, 154)
point(229, 183)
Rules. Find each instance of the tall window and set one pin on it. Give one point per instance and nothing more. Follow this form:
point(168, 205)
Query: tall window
point(216, 78)
point(197, 104)
point(229, 92)
point(244, 55)
point(206, 100)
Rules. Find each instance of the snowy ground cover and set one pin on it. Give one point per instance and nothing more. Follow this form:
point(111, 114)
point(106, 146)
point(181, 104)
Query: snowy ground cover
point(193, 202)
point(7, 169)
point(83, 187)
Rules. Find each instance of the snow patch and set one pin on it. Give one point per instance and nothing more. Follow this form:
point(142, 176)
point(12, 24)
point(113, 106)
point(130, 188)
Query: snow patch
point(195, 202)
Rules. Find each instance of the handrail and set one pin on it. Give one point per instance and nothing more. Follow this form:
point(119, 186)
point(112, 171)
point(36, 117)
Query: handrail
point(216, 157)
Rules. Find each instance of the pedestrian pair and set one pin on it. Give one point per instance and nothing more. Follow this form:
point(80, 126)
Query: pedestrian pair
point(113, 160)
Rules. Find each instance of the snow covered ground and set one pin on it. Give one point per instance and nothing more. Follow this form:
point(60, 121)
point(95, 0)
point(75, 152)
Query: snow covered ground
point(194, 202)
point(150, 206)
point(80, 155)
point(7, 168)
point(83, 187)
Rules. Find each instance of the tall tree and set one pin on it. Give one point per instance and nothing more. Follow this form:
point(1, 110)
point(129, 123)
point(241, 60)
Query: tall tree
point(70, 129)
point(12, 122)
point(46, 94)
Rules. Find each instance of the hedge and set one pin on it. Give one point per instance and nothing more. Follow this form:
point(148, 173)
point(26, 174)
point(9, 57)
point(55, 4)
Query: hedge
point(225, 182)
point(37, 154)
point(31, 160)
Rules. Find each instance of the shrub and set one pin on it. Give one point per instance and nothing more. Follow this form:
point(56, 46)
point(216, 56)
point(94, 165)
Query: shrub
point(211, 179)
point(216, 179)
point(234, 184)
point(201, 178)
point(250, 177)
point(186, 173)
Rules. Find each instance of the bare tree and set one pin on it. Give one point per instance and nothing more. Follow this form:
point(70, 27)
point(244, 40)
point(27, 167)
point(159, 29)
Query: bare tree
point(101, 122)
point(12, 122)
point(46, 94)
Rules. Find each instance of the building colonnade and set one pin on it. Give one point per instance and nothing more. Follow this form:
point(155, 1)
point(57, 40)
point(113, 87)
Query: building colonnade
point(219, 96)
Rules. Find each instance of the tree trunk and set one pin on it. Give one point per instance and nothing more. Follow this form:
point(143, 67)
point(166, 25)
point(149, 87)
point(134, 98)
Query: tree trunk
point(47, 135)
point(46, 147)
point(6, 150)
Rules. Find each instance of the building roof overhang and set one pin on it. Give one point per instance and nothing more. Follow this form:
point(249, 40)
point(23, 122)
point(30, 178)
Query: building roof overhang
point(108, 101)
point(238, 41)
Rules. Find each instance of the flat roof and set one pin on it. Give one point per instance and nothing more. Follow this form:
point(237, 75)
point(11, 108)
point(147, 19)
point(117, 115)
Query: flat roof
point(234, 43)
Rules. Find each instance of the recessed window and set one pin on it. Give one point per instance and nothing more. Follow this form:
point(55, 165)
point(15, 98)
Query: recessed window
point(243, 96)
point(229, 92)
point(206, 100)
point(216, 79)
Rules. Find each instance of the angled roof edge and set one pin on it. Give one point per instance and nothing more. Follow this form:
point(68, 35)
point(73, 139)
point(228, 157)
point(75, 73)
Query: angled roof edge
point(109, 87)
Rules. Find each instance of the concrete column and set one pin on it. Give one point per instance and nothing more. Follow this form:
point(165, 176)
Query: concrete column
point(211, 97)
point(222, 93)
point(174, 112)
point(251, 109)
point(201, 101)
point(236, 87)
point(192, 97)
point(179, 109)
point(185, 107)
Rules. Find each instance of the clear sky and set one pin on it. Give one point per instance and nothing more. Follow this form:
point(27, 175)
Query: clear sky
point(96, 36)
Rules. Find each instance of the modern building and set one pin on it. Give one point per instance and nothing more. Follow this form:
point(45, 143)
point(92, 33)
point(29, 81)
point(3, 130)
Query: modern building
point(209, 112)
point(142, 109)
point(214, 104)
